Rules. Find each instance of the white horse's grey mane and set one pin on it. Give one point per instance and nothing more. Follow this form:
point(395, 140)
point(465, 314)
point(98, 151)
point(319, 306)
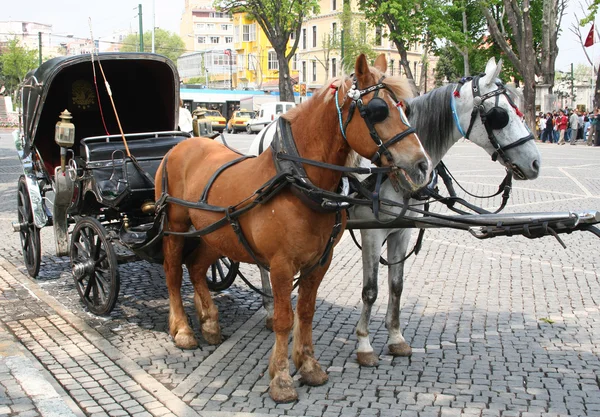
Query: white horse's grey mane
point(431, 116)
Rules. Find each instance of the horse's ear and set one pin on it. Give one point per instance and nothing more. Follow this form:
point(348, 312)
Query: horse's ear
point(381, 63)
point(361, 68)
point(492, 71)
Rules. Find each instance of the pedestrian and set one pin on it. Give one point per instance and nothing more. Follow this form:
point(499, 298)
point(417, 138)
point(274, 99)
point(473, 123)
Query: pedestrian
point(574, 125)
point(185, 118)
point(561, 126)
point(582, 120)
point(593, 128)
point(541, 125)
point(548, 132)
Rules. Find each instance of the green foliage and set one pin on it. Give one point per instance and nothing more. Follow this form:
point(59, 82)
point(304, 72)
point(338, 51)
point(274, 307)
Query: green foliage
point(166, 43)
point(356, 40)
point(15, 62)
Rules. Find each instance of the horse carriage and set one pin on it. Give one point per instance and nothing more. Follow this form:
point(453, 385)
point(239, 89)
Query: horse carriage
point(77, 171)
point(154, 193)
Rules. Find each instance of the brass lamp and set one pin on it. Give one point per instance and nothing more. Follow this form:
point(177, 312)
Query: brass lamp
point(64, 136)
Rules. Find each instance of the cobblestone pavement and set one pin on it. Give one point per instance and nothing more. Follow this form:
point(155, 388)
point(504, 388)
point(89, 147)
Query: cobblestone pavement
point(500, 327)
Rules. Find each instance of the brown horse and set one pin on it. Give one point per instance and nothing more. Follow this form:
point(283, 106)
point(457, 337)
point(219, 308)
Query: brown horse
point(283, 233)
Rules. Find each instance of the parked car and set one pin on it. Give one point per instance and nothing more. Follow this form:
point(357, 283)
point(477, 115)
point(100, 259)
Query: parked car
point(267, 113)
point(217, 119)
point(239, 120)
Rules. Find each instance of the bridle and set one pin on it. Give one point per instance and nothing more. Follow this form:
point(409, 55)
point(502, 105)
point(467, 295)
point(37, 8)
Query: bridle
point(496, 118)
point(375, 111)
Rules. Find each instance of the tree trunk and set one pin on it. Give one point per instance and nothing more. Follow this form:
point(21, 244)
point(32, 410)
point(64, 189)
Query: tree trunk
point(465, 50)
point(406, 65)
point(549, 38)
point(286, 92)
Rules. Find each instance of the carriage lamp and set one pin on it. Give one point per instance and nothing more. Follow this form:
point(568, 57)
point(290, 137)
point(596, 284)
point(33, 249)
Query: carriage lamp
point(64, 136)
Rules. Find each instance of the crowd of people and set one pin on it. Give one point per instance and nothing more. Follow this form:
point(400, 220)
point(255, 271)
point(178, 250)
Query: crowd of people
point(568, 126)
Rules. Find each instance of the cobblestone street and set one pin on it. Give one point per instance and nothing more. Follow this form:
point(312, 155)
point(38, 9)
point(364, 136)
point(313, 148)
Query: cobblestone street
point(501, 327)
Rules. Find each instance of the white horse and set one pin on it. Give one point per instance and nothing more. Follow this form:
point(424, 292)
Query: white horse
point(479, 109)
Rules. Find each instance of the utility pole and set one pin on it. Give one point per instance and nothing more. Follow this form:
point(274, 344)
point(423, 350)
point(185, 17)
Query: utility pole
point(572, 88)
point(153, 23)
point(40, 47)
point(141, 28)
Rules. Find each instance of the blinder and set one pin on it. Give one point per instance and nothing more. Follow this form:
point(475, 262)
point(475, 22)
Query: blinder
point(377, 110)
point(496, 118)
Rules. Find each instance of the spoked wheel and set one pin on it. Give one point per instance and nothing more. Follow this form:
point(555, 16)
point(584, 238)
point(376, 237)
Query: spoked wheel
point(221, 274)
point(94, 265)
point(28, 232)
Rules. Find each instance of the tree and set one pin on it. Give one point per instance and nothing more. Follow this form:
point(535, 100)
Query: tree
point(355, 38)
point(279, 19)
point(16, 61)
point(406, 21)
point(461, 25)
point(511, 25)
point(166, 43)
point(589, 16)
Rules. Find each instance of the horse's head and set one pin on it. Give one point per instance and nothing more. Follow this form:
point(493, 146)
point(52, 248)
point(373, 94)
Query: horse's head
point(374, 125)
point(490, 118)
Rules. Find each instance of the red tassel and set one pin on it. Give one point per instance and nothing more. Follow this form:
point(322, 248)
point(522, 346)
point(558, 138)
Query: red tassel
point(456, 93)
point(518, 112)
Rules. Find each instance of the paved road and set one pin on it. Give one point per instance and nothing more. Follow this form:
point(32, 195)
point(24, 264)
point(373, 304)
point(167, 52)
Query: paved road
point(503, 327)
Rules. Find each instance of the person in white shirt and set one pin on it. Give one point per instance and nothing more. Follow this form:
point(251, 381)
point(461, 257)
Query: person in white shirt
point(185, 118)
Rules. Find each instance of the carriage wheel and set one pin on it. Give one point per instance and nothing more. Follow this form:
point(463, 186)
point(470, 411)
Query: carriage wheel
point(221, 274)
point(28, 232)
point(94, 265)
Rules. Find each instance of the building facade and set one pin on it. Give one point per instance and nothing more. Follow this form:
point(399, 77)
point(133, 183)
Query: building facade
point(205, 28)
point(211, 68)
point(28, 35)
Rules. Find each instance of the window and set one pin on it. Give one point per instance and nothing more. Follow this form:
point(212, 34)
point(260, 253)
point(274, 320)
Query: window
point(252, 62)
point(303, 38)
point(362, 32)
point(303, 71)
point(334, 67)
point(273, 64)
point(236, 34)
point(210, 26)
point(278, 108)
point(225, 27)
point(292, 36)
point(378, 37)
point(392, 67)
point(295, 62)
point(334, 34)
point(314, 36)
point(199, 26)
point(228, 39)
point(219, 15)
point(314, 71)
point(333, 4)
point(249, 33)
point(240, 63)
point(214, 39)
point(201, 39)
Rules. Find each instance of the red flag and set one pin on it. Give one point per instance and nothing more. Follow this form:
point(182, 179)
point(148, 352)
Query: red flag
point(589, 41)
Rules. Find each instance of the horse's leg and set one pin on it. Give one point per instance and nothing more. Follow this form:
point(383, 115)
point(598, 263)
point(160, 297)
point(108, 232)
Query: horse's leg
point(178, 323)
point(208, 314)
point(397, 244)
point(281, 388)
point(267, 301)
point(303, 352)
point(372, 241)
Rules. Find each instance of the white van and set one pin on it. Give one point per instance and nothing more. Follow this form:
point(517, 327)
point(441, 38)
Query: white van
point(267, 113)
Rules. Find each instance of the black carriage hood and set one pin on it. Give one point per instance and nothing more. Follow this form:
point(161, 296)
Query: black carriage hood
point(145, 89)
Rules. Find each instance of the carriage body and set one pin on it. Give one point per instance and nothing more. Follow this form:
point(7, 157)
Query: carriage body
point(101, 191)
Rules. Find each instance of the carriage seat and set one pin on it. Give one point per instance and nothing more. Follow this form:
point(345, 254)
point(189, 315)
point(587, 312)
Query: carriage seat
point(142, 148)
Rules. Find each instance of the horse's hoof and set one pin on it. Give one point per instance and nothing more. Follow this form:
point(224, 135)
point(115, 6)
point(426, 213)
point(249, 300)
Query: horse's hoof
point(281, 389)
point(211, 333)
point(313, 375)
point(269, 323)
point(367, 359)
point(185, 339)
point(400, 349)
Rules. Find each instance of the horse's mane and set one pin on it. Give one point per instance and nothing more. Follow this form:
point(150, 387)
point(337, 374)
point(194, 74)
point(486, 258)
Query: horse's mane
point(431, 116)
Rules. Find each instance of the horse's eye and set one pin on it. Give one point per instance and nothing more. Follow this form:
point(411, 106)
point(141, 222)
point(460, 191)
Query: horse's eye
point(377, 110)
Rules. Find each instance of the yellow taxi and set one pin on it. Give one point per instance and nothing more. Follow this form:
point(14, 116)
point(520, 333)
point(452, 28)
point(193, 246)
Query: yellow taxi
point(239, 120)
point(217, 119)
